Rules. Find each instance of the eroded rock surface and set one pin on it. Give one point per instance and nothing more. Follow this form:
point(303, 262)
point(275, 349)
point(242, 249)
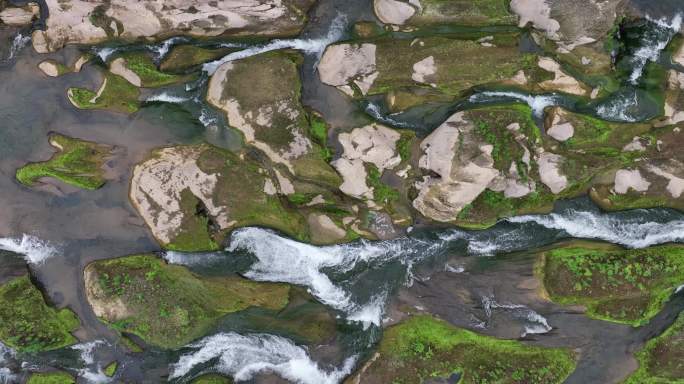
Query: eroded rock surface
point(92, 22)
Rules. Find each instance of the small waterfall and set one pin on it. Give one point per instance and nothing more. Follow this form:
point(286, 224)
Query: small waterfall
point(632, 232)
point(244, 356)
point(652, 43)
point(536, 102)
point(166, 97)
point(92, 371)
point(309, 46)
point(18, 43)
point(35, 250)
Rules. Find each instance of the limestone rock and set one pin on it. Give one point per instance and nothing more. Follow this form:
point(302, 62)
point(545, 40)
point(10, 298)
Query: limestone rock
point(49, 68)
point(561, 128)
point(16, 16)
point(118, 67)
point(324, 230)
point(626, 179)
point(393, 11)
point(550, 171)
point(342, 64)
point(561, 82)
point(374, 144)
point(463, 165)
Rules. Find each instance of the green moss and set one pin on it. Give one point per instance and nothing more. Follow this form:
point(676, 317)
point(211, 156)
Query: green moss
point(118, 96)
point(110, 370)
point(626, 286)
point(661, 361)
point(167, 305)
point(404, 145)
point(28, 324)
point(195, 236)
point(423, 347)
point(212, 379)
point(78, 163)
point(464, 12)
point(382, 193)
point(130, 345)
point(51, 378)
point(318, 131)
point(150, 76)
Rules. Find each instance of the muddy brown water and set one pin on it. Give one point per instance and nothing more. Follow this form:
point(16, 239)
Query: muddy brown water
point(92, 225)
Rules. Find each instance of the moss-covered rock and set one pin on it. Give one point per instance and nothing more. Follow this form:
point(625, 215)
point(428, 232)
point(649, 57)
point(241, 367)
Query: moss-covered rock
point(627, 286)
point(51, 378)
point(115, 94)
point(184, 57)
point(660, 361)
point(28, 323)
point(423, 347)
point(261, 97)
point(139, 70)
point(167, 305)
point(77, 162)
point(110, 370)
point(399, 67)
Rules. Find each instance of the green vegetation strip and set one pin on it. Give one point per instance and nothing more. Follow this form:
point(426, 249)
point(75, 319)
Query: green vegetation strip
point(51, 378)
point(662, 359)
point(78, 163)
point(118, 95)
point(28, 324)
point(423, 347)
point(167, 305)
point(626, 286)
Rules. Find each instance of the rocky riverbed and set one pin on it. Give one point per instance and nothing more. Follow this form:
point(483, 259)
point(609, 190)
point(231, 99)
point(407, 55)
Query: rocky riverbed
point(328, 191)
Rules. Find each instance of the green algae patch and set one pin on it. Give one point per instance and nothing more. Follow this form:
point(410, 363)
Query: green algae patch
point(51, 378)
point(423, 348)
point(625, 286)
point(184, 57)
point(150, 77)
point(464, 12)
point(77, 163)
point(661, 361)
point(116, 94)
point(212, 379)
point(28, 324)
point(167, 305)
point(110, 369)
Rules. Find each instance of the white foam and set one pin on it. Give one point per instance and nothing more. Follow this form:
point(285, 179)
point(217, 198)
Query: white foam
point(207, 119)
point(653, 43)
point(456, 269)
point(35, 250)
point(106, 52)
point(166, 97)
point(189, 259)
point(679, 289)
point(371, 312)
point(242, 357)
point(6, 375)
point(536, 102)
point(18, 43)
point(632, 233)
point(281, 259)
point(535, 323)
point(374, 111)
point(618, 109)
point(162, 49)
point(310, 46)
point(91, 372)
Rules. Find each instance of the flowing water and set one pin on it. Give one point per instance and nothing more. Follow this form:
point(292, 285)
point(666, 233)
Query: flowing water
point(56, 230)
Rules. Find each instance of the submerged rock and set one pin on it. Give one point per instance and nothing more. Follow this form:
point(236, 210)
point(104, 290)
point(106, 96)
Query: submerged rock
point(86, 22)
point(424, 345)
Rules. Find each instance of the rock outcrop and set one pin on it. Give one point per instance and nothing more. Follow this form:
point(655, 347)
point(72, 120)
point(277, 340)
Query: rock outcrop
point(463, 168)
point(89, 22)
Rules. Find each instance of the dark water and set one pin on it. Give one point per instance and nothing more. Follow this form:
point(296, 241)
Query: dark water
point(372, 281)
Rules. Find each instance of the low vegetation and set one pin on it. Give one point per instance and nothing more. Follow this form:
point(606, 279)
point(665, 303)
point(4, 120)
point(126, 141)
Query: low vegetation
point(627, 286)
point(423, 348)
point(51, 378)
point(661, 361)
point(77, 162)
point(118, 95)
point(28, 323)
